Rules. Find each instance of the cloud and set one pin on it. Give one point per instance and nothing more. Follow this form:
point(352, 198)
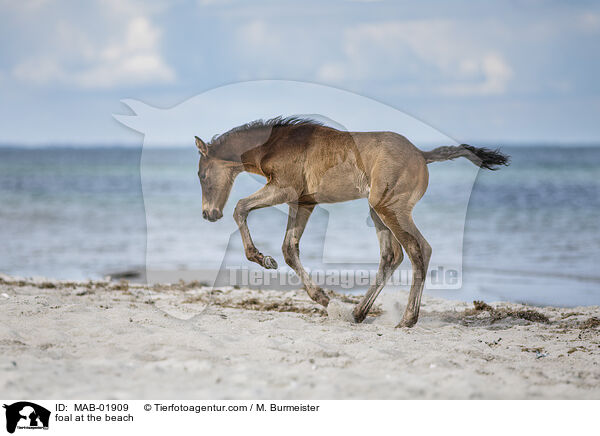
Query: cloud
point(433, 56)
point(430, 55)
point(136, 60)
point(267, 49)
point(126, 53)
point(213, 2)
point(331, 72)
point(256, 34)
point(589, 22)
point(496, 75)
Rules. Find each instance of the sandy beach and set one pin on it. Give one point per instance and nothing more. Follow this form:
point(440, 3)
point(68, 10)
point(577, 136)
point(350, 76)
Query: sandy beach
point(117, 340)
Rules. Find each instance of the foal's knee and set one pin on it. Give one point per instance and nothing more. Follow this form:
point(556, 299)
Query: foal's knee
point(426, 250)
point(240, 213)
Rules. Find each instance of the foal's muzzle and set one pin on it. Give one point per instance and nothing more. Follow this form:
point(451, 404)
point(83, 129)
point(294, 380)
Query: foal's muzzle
point(212, 215)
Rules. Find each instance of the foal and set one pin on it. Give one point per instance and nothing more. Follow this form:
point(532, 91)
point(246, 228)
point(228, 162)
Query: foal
point(306, 163)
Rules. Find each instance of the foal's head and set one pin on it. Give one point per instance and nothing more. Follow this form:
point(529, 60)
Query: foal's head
point(216, 178)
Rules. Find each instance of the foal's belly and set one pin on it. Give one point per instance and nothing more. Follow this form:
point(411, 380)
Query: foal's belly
point(337, 184)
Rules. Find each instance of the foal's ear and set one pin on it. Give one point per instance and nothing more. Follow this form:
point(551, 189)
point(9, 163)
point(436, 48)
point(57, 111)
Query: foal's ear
point(202, 147)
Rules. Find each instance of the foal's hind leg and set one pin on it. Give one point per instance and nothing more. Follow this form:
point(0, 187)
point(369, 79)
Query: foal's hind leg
point(391, 258)
point(297, 219)
point(268, 195)
point(399, 221)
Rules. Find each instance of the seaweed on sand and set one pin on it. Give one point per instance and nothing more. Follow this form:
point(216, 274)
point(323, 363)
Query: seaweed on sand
point(500, 313)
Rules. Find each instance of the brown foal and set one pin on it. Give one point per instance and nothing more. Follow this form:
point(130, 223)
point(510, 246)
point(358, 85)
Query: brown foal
point(306, 163)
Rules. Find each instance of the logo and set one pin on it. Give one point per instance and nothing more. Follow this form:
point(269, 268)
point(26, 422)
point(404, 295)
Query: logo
point(26, 415)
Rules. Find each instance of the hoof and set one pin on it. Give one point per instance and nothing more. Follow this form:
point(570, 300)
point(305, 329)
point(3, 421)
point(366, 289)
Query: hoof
point(359, 316)
point(406, 323)
point(269, 263)
point(318, 296)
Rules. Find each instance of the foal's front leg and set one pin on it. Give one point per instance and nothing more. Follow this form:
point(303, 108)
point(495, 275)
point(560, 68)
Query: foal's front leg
point(269, 195)
point(297, 220)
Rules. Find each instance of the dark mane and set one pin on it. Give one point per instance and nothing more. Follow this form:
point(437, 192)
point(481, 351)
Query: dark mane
point(259, 124)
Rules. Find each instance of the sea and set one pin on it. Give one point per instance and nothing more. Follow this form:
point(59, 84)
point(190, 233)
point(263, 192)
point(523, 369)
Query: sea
point(528, 233)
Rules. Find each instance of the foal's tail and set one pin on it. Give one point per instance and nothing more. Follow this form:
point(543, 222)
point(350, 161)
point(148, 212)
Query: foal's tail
point(482, 157)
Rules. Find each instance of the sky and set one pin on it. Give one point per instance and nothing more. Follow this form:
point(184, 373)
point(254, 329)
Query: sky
point(494, 72)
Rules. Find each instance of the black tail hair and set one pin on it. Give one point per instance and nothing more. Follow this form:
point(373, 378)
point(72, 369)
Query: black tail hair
point(482, 157)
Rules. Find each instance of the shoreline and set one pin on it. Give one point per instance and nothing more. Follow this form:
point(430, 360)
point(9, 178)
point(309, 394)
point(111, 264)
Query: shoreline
point(119, 340)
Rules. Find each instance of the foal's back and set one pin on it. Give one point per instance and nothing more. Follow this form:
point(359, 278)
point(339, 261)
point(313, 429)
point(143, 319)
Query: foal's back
point(332, 165)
